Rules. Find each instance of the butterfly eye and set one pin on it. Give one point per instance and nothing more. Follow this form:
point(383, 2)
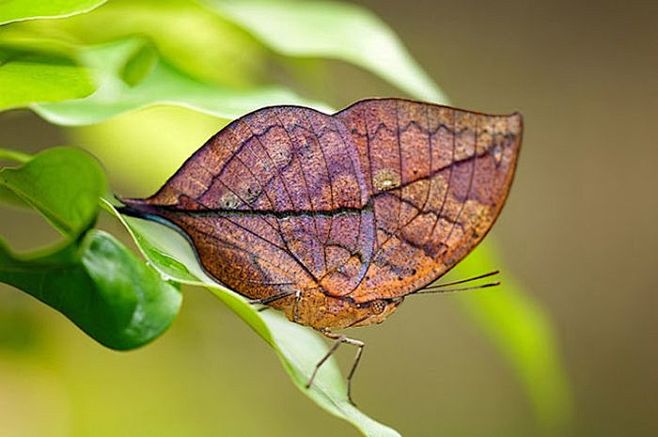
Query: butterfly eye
point(378, 306)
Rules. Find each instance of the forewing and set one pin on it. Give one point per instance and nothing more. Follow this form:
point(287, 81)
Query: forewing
point(438, 178)
point(275, 201)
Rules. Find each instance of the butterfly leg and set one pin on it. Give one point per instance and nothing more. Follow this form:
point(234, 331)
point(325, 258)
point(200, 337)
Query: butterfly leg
point(340, 339)
point(359, 351)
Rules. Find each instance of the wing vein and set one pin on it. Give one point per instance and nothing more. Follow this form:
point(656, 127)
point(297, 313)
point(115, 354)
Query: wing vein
point(308, 191)
point(448, 183)
point(326, 166)
point(470, 184)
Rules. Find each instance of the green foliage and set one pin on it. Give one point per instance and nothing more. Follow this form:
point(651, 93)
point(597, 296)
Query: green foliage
point(130, 76)
point(32, 72)
point(336, 31)
point(91, 278)
point(101, 286)
point(195, 40)
point(63, 184)
point(19, 10)
point(212, 59)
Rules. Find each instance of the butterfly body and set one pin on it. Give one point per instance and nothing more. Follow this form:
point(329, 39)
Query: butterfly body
point(321, 311)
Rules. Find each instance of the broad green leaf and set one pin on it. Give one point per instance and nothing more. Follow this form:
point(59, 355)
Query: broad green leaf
point(19, 10)
point(62, 183)
point(33, 74)
point(522, 332)
point(298, 347)
point(341, 31)
point(163, 84)
point(100, 286)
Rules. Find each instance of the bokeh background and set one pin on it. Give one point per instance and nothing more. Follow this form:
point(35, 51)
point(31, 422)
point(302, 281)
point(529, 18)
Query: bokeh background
point(579, 234)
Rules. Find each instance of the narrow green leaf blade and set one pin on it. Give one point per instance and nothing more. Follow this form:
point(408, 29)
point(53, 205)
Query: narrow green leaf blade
point(333, 30)
point(20, 10)
point(298, 347)
point(100, 286)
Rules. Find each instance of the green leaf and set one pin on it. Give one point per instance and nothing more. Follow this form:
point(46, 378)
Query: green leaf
point(62, 183)
point(522, 332)
point(20, 10)
point(32, 72)
point(298, 347)
point(92, 278)
point(333, 30)
point(163, 84)
point(100, 286)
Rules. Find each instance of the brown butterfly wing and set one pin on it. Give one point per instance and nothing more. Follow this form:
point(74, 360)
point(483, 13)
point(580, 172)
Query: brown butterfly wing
point(275, 201)
point(374, 202)
point(438, 178)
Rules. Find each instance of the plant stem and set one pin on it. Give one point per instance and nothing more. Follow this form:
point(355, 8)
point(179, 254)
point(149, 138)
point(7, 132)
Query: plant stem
point(14, 155)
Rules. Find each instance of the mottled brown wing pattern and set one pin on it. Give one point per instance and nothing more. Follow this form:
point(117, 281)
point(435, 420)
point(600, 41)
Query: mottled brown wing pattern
point(371, 203)
point(438, 177)
point(276, 201)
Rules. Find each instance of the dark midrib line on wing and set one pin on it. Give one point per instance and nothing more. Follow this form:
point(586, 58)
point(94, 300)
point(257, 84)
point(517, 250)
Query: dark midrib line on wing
point(283, 214)
point(288, 213)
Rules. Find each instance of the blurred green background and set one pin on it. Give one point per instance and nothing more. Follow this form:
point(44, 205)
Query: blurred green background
point(578, 233)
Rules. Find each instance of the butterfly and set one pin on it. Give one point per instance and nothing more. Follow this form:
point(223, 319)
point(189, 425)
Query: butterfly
point(335, 219)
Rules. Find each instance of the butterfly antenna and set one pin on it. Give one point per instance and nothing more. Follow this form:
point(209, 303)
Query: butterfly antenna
point(452, 290)
point(462, 281)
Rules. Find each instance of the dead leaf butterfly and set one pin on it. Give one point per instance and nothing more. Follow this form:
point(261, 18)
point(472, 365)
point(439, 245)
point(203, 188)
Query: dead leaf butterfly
point(334, 219)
